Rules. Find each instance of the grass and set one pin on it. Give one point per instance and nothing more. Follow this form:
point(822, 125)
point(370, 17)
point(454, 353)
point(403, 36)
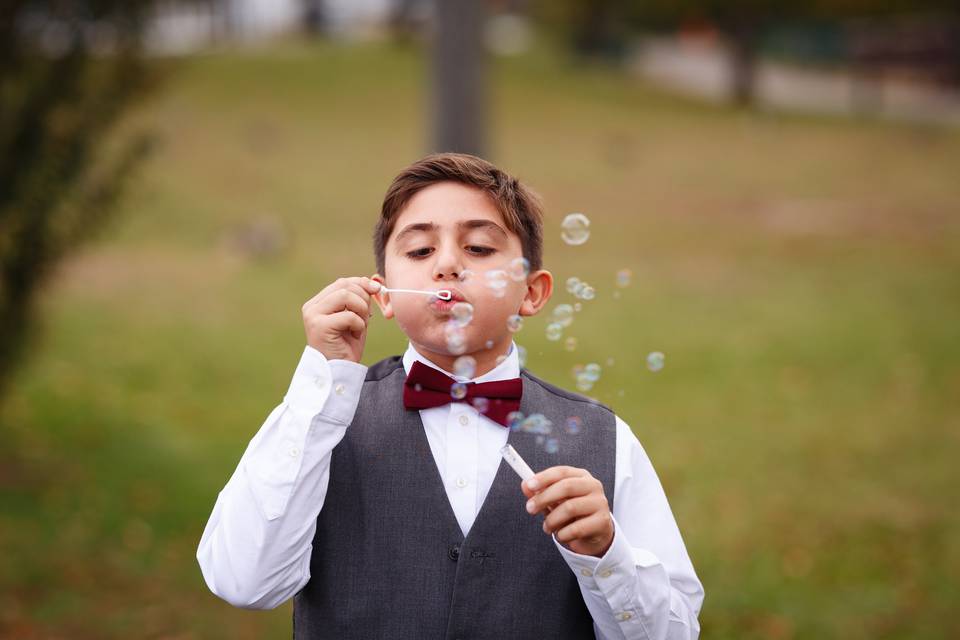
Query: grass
point(800, 274)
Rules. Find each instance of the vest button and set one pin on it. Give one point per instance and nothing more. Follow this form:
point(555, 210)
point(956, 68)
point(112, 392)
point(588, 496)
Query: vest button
point(454, 552)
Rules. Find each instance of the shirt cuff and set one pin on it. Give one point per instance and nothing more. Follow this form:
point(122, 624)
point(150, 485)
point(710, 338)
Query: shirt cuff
point(618, 564)
point(328, 387)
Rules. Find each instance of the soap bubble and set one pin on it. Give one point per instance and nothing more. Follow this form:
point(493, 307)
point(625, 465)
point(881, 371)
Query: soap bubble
point(515, 323)
point(536, 423)
point(576, 370)
point(570, 344)
point(577, 306)
point(575, 229)
point(624, 276)
point(584, 383)
point(462, 313)
point(572, 284)
point(456, 339)
point(592, 371)
point(497, 281)
point(480, 404)
point(465, 366)
point(574, 424)
point(418, 387)
point(458, 391)
point(588, 293)
point(488, 344)
point(465, 275)
point(514, 420)
point(539, 440)
point(551, 445)
point(562, 315)
point(522, 356)
point(554, 331)
point(655, 361)
point(519, 269)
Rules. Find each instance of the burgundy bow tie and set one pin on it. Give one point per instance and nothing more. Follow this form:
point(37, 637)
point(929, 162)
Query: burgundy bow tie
point(426, 388)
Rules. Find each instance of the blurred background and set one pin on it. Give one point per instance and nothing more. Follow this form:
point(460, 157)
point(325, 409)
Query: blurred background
point(774, 197)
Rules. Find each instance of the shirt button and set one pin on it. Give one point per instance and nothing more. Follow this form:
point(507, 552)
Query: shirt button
point(586, 573)
point(464, 420)
point(461, 482)
point(339, 389)
point(294, 452)
point(626, 615)
point(606, 573)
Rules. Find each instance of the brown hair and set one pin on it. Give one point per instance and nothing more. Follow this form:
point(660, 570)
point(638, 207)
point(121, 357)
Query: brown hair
point(520, 207)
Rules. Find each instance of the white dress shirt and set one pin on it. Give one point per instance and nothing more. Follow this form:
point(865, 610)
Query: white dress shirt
point(256, 547)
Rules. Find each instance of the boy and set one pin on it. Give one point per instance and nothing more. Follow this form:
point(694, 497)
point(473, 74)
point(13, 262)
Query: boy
point(376, 497)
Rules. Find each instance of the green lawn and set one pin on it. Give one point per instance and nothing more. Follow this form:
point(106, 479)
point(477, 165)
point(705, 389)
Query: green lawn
point(802, 276)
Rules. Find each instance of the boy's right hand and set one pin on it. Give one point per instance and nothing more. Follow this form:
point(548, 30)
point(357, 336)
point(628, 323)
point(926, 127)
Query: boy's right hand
point(335, 319)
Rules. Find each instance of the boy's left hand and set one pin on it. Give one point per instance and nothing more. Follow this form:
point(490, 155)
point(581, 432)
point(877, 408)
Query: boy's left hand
point(576, 506)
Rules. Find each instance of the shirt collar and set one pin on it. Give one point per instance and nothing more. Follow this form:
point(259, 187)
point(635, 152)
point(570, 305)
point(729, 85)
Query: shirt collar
point(509, 368)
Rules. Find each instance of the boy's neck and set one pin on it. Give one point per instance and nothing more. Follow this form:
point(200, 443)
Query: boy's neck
point(486, 358)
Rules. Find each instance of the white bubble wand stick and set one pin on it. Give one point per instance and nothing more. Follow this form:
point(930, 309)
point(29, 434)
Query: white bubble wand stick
point(443, 294)
point(519, 464)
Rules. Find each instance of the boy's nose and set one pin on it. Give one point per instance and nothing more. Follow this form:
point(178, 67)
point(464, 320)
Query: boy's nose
point(447, 267)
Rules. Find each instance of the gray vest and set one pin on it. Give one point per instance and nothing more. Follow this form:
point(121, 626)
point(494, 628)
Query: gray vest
point(389, 559)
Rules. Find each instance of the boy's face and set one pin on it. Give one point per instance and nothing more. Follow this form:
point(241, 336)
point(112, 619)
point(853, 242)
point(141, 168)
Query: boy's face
point(450, 236)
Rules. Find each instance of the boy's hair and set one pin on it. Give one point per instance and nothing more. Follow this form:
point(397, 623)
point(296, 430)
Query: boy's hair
point(520, 207)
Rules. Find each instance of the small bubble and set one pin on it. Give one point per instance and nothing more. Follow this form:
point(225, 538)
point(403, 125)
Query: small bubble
point(462, 313)
point(465, 366)
point(570, 344)
point(575, 229)
point(488, 344)
point(540, 439)
point(481, 404)
point(588, 293)
point(456, 340)
point(563, 315)
point(465, 275)
point(573, 283)
point(574, 425)
point(655, 361)
point(515, 323)
point(458, 391)
point(519, 269)
point(592, 371)
point(577, 306)
point(551, 445)
point(554, 331)
point(418, 387)
point(497, 281)
point(624, 276)
point(514, 420)
point(576, 370)
point(584, 383)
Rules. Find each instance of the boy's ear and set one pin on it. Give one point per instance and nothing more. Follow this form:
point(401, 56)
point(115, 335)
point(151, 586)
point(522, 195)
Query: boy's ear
point(539, 290)
point(382, 299)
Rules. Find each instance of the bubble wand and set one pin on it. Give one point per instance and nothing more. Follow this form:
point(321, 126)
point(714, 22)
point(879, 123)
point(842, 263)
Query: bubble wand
point(443, 294)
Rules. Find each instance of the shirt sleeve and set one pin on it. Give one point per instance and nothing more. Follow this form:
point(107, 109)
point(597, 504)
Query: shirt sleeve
point(645, 585)
point(255, 550)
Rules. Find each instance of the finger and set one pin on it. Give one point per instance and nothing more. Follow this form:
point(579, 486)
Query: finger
point(550, 475)
point(343, 300)
point(563, 490)
point(590, 529)
point(347, 321)
point(365, 286)
point(570, 510)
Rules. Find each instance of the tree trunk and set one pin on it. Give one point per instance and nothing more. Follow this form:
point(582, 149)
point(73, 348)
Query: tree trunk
point(459, 90)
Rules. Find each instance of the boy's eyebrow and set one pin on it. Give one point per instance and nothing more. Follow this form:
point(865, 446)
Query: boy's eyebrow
point(482, 224)
point(428, 227)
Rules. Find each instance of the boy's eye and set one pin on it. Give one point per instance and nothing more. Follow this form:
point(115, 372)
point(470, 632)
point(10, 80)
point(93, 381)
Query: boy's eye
point(420, 253)
point(479, 251)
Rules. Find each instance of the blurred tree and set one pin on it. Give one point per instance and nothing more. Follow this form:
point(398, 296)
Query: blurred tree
point(459, 87)
point(68, 71)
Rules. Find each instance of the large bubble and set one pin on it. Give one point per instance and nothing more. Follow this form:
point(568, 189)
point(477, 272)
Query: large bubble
point(575, 229)
point(573, 283)
point(519, 269)
point(562, 315)
point(465, 366)
point(554, 331)
point(655, 361)
point(458, 391)
point(462, 313)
